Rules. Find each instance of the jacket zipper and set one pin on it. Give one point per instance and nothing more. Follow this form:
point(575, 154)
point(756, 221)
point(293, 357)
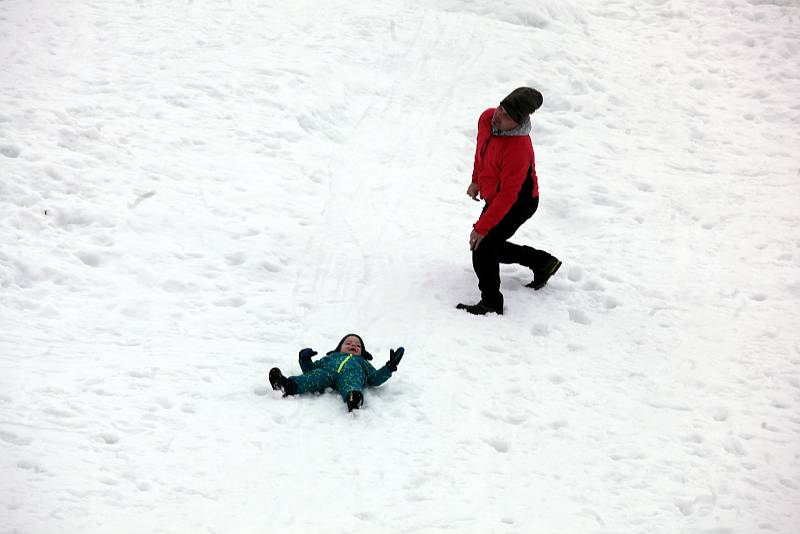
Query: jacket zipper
point(339, 370)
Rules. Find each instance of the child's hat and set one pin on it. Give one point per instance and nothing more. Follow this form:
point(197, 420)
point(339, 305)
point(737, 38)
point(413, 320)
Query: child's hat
point(364, 353)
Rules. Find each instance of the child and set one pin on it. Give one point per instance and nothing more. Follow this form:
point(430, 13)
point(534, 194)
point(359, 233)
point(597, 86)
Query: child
point(344, 369)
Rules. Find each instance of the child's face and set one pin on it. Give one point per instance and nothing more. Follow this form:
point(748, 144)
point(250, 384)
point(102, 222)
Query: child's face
point(352, 345)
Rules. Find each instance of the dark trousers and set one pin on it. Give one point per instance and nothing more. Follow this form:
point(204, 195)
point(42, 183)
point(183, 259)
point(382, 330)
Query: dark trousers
point(495, 249)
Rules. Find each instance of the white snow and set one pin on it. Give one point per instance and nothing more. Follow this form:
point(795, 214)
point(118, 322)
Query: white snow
point(191, 192)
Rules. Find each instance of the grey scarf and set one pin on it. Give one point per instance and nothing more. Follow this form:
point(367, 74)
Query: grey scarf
point(523, 129)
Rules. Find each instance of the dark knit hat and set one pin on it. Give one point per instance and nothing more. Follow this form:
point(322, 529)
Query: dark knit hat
point(366, 355)
point(521, 102)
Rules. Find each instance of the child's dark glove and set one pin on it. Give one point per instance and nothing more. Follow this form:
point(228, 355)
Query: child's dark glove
point(307, 354)
point(394, 358)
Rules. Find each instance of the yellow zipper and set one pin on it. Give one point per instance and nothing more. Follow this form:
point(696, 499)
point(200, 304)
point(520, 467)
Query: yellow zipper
point(339, 370)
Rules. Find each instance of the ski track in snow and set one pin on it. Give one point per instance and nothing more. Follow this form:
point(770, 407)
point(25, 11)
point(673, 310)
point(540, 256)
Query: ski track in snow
point(189, 194)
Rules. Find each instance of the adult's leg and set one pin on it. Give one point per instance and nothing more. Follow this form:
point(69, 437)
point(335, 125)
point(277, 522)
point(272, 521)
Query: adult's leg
point(493, 249)
point(532, 258)
point(523, 254)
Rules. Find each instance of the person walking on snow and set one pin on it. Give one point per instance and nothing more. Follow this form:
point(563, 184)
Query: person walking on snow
point(504, 175)
point(345, 369)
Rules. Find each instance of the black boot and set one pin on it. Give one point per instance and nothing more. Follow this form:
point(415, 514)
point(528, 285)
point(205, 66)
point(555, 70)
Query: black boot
point(280, 382)
point(481, 308)
point(541, 276)
point(276, 378)
point(354, 400)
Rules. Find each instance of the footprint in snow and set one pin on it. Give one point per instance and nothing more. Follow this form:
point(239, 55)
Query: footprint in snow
point(593, 285)
point(540, 330)
point(141, 198)
point(173, 286)
point(91, 259)
point(610, 302)
point(270, 266)
point(29, 465)
point(230, 302)
point(734, 446)
point(10, 437)
point(10, 151)
point(164, 402)
point(720, 414)
point(685, 506)
point(558, 424)
point(109, 438)
point(693, 438)
point(499, 444)
point(237, 258)
point(575, 274)
point(579, 316)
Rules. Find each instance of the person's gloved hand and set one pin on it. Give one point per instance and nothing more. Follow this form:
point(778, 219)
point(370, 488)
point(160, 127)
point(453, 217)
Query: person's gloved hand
point(307, 354)
point(394, 358)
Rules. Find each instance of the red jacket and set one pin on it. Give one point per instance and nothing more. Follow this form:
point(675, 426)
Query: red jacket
point(502, 164)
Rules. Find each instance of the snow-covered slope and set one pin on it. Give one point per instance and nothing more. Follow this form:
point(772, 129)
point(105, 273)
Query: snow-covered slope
point(192, 192)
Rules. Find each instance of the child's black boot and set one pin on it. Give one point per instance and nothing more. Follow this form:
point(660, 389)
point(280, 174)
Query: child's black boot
point(354, 400)
point(280, 382)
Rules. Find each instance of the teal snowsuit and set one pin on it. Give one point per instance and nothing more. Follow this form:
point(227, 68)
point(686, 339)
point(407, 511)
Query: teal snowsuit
point(341, 371)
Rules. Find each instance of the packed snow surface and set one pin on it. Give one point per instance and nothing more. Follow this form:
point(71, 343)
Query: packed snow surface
point(191, 192)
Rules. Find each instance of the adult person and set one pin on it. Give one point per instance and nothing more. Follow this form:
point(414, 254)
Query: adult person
point(345, 369)
point(504, 176)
